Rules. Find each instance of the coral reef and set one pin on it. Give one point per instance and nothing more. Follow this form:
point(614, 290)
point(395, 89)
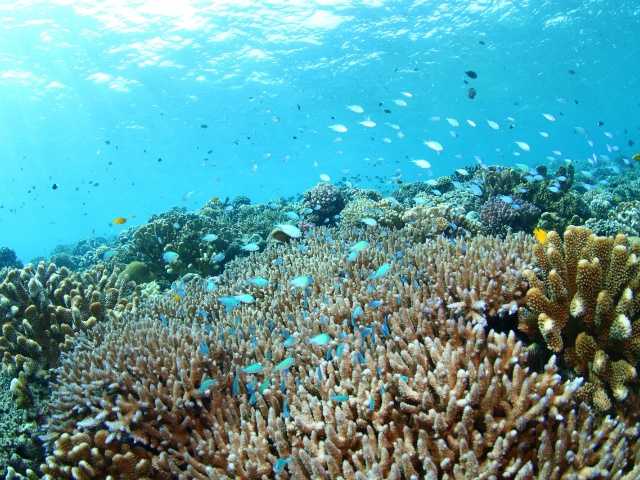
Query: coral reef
point(357, 373)
point(386, 212)
point(43, 307)
point(585, 306)
point(325, 201)
point(8, 258)
point(19, 449)
point(499, 215)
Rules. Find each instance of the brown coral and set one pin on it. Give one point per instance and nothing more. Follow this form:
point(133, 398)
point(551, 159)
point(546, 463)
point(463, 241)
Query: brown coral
point(44, 307)
point(403, 388)
point(586, 305)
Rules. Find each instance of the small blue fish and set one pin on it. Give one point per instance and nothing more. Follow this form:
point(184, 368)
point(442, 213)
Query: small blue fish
point(340, 350)
point(385, 329)
point(210, 237)
point(292, 216)
point(203, 348)
point(259, 282)
point(353, 256)
point(108, 254)
point(285, 408)
point(372, 404)
point(250, 247)
point(170, 257)
point(320, 339)
point(302, 281)
point(475, 189)
point(245, 298)
point(217, 258)
point(266, 383)
point(229, 302)
point(254, 368)
point(508, 199)
point(357, 312)
point(278, 467)
point(380, 272)
point(340, 397)
point(290, 341)
point(359, 246)
point(404, 378)
point(206, 384)
point(368, 221)
point(163, 320)
point(285, 364)
point(210, 284)
point(375, 303)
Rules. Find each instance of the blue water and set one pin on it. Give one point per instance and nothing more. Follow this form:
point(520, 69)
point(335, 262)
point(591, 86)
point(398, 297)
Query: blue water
point(94, 94)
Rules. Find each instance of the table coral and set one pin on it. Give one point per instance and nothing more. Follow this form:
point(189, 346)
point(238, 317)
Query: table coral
point(585, 306)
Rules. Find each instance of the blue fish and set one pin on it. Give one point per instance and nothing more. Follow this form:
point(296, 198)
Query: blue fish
point(375, 303)
point(508, 199)
point(170, 257)
point(292, 216)
point(302, 281)
point(320, 339)
point(380, 272)
point(229, 302)
point(340, 397)
point(203, 348)
point(250, 247)
point(278, 467)
point(253, 368)
point(217, 258)
point(245, 298)
point(359, 246)
point(266, 383)
point(259, 282)
point(340, 350)
point(285, 408)
point(290, 341)
point(163, 320)
point(209, 237)
point(385, 329)
point(368, 221)
point(206, 384)
point(352, 257)
point(372, 404)
point(210, 284)
point(285, 364)
point(357, 312)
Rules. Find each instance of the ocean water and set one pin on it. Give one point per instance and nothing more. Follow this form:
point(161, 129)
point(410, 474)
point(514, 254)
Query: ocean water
point(406, 242)
point(108, 100)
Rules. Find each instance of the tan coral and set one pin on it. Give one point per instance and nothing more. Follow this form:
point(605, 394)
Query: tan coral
point(586, 305)
point(405, 388)
point(44, 307)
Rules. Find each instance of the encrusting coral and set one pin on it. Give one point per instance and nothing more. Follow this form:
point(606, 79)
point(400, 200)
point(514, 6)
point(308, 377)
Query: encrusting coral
point(586, 306)
point(42, 308)
point(358, 371)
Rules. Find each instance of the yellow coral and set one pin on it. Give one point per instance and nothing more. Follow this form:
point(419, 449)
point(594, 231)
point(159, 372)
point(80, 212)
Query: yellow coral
point(586, 302)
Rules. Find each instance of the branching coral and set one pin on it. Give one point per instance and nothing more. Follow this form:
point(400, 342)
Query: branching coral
point(586, 305)
point(353, 373)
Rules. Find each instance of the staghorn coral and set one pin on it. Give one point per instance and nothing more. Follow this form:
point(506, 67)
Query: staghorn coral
point(43, 307)
point(623, 218)
point(586, 306)
point(402, 390)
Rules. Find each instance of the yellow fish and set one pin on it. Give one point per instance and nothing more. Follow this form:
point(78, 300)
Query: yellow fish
point(636, 157)
point(176, 297)
point(540, 234)
point(119, 221)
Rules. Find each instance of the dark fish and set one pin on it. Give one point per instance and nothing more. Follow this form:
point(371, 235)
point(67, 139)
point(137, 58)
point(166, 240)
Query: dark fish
point(108, 142)
point(471, 93)
point(571, 71)
point(481, 42)
point(471, 74)
point(204, 125)
point(54, 186)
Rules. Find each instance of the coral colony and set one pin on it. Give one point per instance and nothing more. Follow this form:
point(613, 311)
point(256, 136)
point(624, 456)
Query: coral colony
point(428, 334)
